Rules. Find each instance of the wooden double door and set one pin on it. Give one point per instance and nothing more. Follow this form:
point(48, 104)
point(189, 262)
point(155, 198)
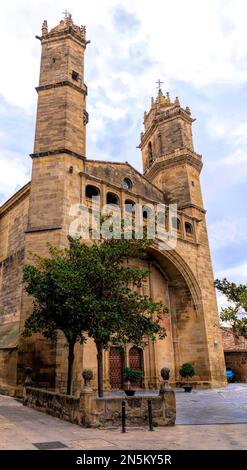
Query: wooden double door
point(117, 361)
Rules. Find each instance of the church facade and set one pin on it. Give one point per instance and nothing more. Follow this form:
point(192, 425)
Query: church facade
point(63, 177)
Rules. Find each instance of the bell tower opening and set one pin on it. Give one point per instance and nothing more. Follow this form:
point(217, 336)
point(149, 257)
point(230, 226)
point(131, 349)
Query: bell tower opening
point(150, 153)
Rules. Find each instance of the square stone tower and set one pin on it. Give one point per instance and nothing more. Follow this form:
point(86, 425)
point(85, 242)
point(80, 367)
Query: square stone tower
point(59, 147)
point(170, 162)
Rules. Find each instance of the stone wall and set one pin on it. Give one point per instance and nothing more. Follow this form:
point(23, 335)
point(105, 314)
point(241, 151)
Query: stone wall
point(238, 362)
point(61, 406)
point(8, 359)
point(232, 341)
point(13, 223)
point(235, 349)
point(114, 173)
point(107, 411)
point(90, 411)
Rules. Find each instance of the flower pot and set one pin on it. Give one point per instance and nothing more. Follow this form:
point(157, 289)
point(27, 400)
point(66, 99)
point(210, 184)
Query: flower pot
point(129, 393)
point(187, 388)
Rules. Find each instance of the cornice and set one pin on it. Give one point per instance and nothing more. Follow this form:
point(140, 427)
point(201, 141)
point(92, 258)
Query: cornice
point(50, 153)
point(174, 159)
point(61, 84)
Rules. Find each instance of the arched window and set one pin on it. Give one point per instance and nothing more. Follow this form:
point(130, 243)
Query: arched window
point(188, 228)
point(176, 223)
point(112, 199)
point(129, 206)
point(150, 153)
point(146, 212)
point(92, 191)
point(127, 184)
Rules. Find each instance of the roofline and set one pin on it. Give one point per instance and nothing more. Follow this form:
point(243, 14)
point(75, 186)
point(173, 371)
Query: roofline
point(23, 192)
point(132, 167)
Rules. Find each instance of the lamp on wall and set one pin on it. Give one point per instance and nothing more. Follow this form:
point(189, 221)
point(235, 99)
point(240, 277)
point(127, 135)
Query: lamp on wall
point(215, 343)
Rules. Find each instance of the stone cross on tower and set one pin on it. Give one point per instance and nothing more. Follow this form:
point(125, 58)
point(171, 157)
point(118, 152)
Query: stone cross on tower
point(159, 85)
point(66, 14)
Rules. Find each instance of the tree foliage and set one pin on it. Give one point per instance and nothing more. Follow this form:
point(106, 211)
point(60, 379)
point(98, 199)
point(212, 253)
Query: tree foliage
point(236, 313)
point(91, 290)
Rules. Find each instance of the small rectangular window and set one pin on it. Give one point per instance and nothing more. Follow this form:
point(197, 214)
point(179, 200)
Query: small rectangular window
point(75, 75)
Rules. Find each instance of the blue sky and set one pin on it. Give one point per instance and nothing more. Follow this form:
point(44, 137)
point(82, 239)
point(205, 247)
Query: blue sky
point(197, 48)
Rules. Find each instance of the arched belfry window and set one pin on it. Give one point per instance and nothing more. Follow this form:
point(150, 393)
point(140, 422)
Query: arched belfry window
point(160, 143)
point(188, 228)
point(150, 153)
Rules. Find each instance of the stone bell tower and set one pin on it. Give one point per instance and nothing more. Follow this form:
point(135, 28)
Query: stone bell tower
point(170, 162)
point(60, 136)
point(61, 113)
point(169, 159)
point(57, 159)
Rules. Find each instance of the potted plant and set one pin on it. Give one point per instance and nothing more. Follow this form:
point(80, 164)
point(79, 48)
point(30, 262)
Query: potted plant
point(131, 376)
point(87, 375)
point(186, 371)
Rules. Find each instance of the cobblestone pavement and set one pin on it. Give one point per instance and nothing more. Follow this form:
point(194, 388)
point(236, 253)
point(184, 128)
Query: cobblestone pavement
point(206, 419)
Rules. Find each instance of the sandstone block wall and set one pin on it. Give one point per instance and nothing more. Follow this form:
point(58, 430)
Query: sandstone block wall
point(237, 360)
point(90, 411)
point(13, 223)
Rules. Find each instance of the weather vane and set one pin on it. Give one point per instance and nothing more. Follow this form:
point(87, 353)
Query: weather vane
point(159, 84)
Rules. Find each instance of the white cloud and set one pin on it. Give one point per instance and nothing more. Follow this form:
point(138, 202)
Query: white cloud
point(241, 133)
point(236, 274)
point(238, 156)
point(110, 111)
point(198, 42)
point(15, 172)
point(219, 127)
point(227, 232)
point(222, 301)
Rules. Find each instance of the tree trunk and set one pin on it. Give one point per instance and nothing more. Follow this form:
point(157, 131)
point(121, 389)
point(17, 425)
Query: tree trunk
point(100, 369)
point(70, 368)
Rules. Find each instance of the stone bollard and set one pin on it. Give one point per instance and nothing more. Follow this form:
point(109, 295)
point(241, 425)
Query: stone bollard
point(87, 400)
point(168, 396)
point(165, 374)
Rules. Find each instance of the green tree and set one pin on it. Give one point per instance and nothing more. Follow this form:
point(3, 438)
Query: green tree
point(236, 313)
point(83, 291)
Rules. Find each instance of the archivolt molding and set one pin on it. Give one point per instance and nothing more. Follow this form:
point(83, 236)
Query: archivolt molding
point(180, 264)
